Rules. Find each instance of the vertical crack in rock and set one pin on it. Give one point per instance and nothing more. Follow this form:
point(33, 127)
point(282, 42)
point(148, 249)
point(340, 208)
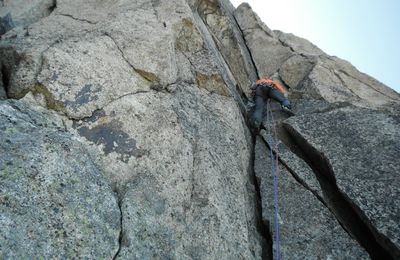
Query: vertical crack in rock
point(121, 233)
point(247, 47)
point(221, 62)
point(263, 228)
point(225, 32)
point(338, 203)
point(241, 99)
point(5, 78)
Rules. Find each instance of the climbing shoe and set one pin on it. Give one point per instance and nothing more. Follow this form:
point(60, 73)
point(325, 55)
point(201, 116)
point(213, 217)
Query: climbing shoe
point(256, 127)
point(288, 110)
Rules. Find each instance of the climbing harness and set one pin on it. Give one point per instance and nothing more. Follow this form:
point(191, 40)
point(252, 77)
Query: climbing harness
point(275, 173)
point(269, 82)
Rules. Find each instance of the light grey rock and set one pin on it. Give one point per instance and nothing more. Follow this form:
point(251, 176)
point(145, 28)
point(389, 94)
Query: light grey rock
point(336, 80)
point(154, 90)
point(267, 51)
point(90, 11)
point(359, 148)
point(71, 21)
point(248, 20)
point(219, 18)
point(298, 44)
point(172, 39)
point(307, 228)
point(294, 70)
point(23, 13)
point(54, 202)
point(144, 87)
point(308, 106)
point(21, 53)
point(181, 162)
point(297, 166)
point(78, 74)
point(147, 44)
point(208, 69)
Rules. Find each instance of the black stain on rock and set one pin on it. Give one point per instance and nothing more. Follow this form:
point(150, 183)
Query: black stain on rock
point(52, 7)
point(5, 78)
point(112, 138)
point(84, 96)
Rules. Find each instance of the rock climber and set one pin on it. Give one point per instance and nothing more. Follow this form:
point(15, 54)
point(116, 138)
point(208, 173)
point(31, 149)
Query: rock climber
point(263, 89)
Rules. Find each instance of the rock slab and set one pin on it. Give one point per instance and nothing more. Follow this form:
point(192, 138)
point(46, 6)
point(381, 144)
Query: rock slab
point(54, 202)
point(307, 229)
point(361, 151)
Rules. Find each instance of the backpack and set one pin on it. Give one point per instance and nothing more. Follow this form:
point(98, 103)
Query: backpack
point(271, 83)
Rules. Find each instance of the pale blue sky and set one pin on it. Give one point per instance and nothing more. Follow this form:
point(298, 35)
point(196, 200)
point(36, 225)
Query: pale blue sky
point(364, 32)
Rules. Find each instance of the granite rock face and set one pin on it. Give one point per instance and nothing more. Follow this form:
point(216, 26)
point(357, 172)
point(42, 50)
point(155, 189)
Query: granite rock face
point(23, 13)
point(98, 85)
point(297, 44)
point(307, 230)
point(177, 203)
point(144, 88)
point(341, 142)
point(132, 135)
point(366, 171)
point(267, 51)
point(54, 202)
point(219, 19)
